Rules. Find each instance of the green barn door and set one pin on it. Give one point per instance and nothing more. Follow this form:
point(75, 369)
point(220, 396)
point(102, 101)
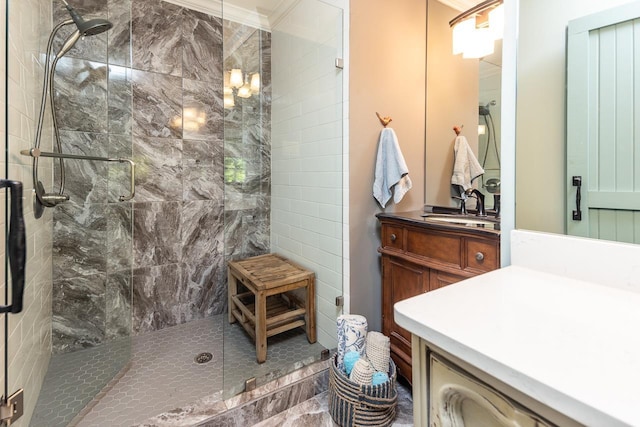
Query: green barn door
point(603, 125)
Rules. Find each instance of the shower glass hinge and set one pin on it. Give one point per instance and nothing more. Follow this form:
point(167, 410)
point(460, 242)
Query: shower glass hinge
point(13, 409)
point(339, 63)
point(339, 301)
point(250, 384)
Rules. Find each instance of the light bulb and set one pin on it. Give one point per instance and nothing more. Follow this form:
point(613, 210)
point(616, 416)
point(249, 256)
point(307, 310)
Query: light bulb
point(229, 101)
point(462, 35)
point(244, 91)
point(235, 78)
point(496, 22)
point(255, 83)
point(481, 44)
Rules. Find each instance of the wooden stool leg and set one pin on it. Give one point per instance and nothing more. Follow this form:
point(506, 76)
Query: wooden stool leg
point(232, 290)
point(261, 327)
point(310, 313)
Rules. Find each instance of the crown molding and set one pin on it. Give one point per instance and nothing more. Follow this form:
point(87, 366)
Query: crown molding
point(227, 11)
point(460, 5)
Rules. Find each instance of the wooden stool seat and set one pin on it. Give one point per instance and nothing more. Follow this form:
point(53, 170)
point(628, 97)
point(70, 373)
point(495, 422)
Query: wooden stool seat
point(269, 307)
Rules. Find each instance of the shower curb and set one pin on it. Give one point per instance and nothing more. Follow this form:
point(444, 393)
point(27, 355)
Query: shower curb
point(251, 407)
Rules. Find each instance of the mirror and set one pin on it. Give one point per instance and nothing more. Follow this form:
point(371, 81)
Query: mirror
point(489, 120)
point(541, 103)
point(456, 89)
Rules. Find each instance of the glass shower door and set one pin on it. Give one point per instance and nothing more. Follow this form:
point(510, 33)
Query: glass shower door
point(74, 334)
point(283, 162)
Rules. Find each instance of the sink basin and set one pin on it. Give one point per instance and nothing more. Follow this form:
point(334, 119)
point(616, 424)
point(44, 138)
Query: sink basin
point(464, 220)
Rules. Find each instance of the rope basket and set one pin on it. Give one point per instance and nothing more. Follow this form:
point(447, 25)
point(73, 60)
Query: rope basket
point(352, 404)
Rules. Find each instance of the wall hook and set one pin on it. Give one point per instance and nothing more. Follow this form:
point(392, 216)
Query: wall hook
point(384, 120)
point(458, 129)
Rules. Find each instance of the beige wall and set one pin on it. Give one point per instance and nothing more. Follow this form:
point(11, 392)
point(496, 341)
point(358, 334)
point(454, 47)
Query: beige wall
point(541, 102)
point(30, 330)
point(387, 65)
point(452, 100)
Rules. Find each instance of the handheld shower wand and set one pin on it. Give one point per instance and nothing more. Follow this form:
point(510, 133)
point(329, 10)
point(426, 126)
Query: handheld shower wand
point(84, 28)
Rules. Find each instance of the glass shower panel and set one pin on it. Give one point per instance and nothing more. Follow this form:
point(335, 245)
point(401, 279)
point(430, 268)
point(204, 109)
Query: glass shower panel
point(74, 334)
point(283, 156)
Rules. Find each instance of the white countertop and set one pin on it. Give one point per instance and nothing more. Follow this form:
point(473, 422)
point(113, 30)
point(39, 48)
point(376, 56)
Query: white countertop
point(570, 344)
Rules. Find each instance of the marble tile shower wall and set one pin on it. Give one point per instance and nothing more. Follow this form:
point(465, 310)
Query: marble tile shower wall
point(150, 89)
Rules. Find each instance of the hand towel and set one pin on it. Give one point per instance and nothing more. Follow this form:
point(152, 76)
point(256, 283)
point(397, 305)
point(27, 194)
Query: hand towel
point(391, 170)
point(465, 165)
point(352, 333)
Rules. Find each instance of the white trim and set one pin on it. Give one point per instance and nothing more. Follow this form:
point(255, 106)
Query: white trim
point(228, 11)
point(281, 11)
point(460, 5)
point(508, 129)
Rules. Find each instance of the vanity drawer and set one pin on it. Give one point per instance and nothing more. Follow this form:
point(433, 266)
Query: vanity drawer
point(481, 255)
point(393, 237)
point(440, 247)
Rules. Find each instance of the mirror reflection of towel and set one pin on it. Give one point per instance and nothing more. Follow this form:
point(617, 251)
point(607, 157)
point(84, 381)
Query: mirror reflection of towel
point(391, 170)
point(465, 165)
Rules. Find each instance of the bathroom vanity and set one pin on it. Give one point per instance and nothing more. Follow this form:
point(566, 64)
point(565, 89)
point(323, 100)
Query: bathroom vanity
point(421, 254)
point(550, 340)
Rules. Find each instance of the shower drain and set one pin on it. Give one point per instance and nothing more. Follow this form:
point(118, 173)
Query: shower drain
point(203, 358)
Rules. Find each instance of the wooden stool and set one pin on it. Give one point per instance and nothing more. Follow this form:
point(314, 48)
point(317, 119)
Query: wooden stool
point(272, 276)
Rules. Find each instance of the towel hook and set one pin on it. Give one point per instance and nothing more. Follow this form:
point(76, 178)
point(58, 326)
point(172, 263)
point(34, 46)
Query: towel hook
point(384, 120)
point(458, 129)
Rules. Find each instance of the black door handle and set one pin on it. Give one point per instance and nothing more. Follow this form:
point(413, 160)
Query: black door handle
point(577, 182)
point(16, 247)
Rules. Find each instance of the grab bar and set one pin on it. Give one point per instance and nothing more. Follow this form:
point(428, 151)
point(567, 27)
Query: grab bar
point(35, 153)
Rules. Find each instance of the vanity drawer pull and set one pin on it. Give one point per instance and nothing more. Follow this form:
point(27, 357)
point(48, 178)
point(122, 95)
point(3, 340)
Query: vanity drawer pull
point(479, 256)
point(393, 237)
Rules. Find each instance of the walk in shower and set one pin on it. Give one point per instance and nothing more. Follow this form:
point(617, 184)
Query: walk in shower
point(232, 113)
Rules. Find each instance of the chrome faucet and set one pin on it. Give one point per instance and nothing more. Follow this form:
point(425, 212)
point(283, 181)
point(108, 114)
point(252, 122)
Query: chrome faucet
point(480, 210)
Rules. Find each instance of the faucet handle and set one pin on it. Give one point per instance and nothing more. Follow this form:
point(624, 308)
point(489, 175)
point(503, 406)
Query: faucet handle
point(463, 204)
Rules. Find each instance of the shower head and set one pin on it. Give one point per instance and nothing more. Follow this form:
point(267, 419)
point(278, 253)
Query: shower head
point(484, 110)
point(90, 27)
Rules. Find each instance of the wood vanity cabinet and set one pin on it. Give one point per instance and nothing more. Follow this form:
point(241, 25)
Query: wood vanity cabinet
point(419, 257)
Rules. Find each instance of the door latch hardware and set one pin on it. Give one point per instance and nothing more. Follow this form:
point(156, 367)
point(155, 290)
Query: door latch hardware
point(13, 409)
point(577, 182)
point(339, 301)
point(339, 63)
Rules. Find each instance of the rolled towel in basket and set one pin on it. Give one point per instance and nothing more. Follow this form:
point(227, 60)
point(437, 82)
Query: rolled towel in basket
point(352, 333)
point(378, 350)
point(379, 378)
point(350, 360)
point(362, 372)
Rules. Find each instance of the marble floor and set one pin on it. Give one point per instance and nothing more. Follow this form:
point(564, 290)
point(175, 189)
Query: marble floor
point(162, 374)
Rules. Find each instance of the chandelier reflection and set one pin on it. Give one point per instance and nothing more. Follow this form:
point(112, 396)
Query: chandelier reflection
point(239, 84)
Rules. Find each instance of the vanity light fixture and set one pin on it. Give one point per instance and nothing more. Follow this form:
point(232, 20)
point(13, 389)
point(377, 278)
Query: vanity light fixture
point(242, 85)
point(476, 30)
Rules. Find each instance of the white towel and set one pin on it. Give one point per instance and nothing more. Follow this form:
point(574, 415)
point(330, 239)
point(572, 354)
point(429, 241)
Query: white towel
point(465, 165)
point(391, 170)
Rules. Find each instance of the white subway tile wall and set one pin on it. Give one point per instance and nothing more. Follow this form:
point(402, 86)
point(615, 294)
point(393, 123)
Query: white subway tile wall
point(30, 330)
point(307, 151)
